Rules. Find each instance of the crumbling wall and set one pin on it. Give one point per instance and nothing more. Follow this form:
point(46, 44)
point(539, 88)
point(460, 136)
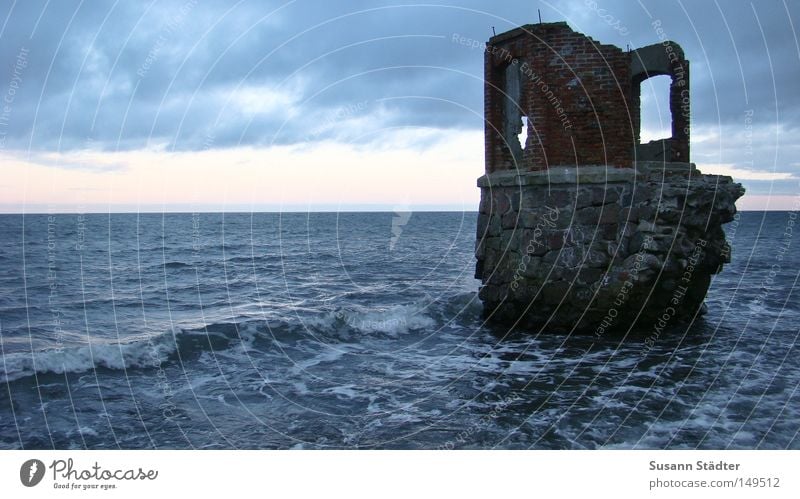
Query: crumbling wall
point(574, 92)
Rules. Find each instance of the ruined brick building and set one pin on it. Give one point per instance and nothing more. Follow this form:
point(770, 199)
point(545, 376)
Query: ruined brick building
point(580, 100)
point(581, 226)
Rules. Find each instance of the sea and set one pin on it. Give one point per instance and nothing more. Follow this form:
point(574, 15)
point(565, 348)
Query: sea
point(364, 331)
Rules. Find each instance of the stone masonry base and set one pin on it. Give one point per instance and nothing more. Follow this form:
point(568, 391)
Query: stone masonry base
point(595, 249)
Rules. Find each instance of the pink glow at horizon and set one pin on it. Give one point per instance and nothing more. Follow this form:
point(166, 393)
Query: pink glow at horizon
point(328, 176)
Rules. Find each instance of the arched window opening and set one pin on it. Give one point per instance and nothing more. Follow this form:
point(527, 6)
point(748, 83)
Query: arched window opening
point(655, 115)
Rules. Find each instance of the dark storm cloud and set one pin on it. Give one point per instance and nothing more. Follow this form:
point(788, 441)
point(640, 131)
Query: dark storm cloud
point(187, 74)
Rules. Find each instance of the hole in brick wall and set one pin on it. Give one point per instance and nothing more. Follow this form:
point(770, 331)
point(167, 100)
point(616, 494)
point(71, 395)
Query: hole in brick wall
point(514, 121)
point(656, 118)
point(523, 134)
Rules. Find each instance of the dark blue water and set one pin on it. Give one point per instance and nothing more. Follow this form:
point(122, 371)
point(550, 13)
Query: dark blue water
point(362, 330)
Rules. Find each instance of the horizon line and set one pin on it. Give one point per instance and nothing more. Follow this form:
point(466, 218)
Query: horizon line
point(289, 212)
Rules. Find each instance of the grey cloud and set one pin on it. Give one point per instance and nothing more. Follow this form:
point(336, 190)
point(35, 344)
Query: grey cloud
point(125, 75)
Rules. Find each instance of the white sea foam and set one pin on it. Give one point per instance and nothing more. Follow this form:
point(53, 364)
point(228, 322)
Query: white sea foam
point(393, 321)
point(140, 353)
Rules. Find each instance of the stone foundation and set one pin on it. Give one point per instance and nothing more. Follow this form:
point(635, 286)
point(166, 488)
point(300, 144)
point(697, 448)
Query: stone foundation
point(594, 249)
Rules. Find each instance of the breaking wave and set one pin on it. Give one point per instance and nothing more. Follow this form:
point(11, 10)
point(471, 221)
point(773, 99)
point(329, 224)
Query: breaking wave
point(143, 352)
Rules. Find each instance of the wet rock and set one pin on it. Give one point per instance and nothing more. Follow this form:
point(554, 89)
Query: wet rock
point(573, 249)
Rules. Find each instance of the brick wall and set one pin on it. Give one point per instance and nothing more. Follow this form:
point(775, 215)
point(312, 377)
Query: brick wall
point(575, 93)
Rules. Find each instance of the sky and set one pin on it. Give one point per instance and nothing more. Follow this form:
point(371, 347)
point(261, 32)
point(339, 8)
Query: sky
point(194, 105)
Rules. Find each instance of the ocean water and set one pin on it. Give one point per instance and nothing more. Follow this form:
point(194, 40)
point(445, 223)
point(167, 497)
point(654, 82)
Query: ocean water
point(363, 330)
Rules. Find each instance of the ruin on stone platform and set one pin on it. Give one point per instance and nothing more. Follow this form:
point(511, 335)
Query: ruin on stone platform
point(582, 227)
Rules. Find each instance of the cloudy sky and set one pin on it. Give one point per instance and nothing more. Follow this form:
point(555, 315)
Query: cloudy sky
point(325, 105)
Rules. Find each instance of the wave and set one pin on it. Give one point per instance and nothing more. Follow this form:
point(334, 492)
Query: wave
point(151, 351)
point(251, 259)
point(142, 352)
point(394, 320)
point(391, 321)
point(133, 354)
point(175, 265)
